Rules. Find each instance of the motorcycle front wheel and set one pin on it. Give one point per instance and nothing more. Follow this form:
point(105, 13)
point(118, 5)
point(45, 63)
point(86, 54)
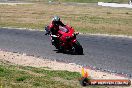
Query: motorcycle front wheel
point(77, 48)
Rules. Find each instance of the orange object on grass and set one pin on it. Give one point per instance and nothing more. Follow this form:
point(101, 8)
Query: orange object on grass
point(84, 73)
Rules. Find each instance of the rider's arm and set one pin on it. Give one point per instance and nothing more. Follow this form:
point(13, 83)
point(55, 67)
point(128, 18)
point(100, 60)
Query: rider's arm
point(61, 23)
point(51, 26)
point(49, 29)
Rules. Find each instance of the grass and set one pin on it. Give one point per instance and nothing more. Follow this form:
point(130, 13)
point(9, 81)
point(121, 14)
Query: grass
point(14, 76)
point(85, 19)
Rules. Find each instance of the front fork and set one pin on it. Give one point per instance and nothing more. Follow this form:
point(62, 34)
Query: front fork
point(74, 41)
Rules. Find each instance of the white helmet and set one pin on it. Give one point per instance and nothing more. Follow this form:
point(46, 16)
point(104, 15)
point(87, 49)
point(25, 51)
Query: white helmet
point(56, 18)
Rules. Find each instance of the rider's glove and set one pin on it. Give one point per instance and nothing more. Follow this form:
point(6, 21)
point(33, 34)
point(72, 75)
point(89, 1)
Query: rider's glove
point(47, 33)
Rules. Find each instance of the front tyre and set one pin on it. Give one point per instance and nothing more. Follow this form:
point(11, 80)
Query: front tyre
point(77, 48)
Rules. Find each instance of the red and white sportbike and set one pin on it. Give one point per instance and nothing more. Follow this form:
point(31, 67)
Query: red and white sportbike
point(65, 40)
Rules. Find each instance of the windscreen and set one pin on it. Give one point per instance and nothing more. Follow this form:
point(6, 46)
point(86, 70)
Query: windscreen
point(63, 29)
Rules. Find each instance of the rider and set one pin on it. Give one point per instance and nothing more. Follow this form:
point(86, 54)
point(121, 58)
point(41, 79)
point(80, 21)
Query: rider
point(54, 25)
point(54, 28)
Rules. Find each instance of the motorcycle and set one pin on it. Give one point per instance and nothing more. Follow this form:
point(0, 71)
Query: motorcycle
point(65, 40)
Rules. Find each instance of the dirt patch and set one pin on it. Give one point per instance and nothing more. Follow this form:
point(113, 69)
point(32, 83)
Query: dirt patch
point(24, 60)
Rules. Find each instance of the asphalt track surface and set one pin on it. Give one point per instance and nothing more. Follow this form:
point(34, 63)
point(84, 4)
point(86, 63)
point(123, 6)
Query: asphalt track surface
point(105, 53)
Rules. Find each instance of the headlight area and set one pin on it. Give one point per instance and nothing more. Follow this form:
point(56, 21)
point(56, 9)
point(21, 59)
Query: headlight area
point(68, 38)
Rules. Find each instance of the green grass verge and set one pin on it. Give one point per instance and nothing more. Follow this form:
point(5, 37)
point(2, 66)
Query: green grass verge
point(14, 76)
